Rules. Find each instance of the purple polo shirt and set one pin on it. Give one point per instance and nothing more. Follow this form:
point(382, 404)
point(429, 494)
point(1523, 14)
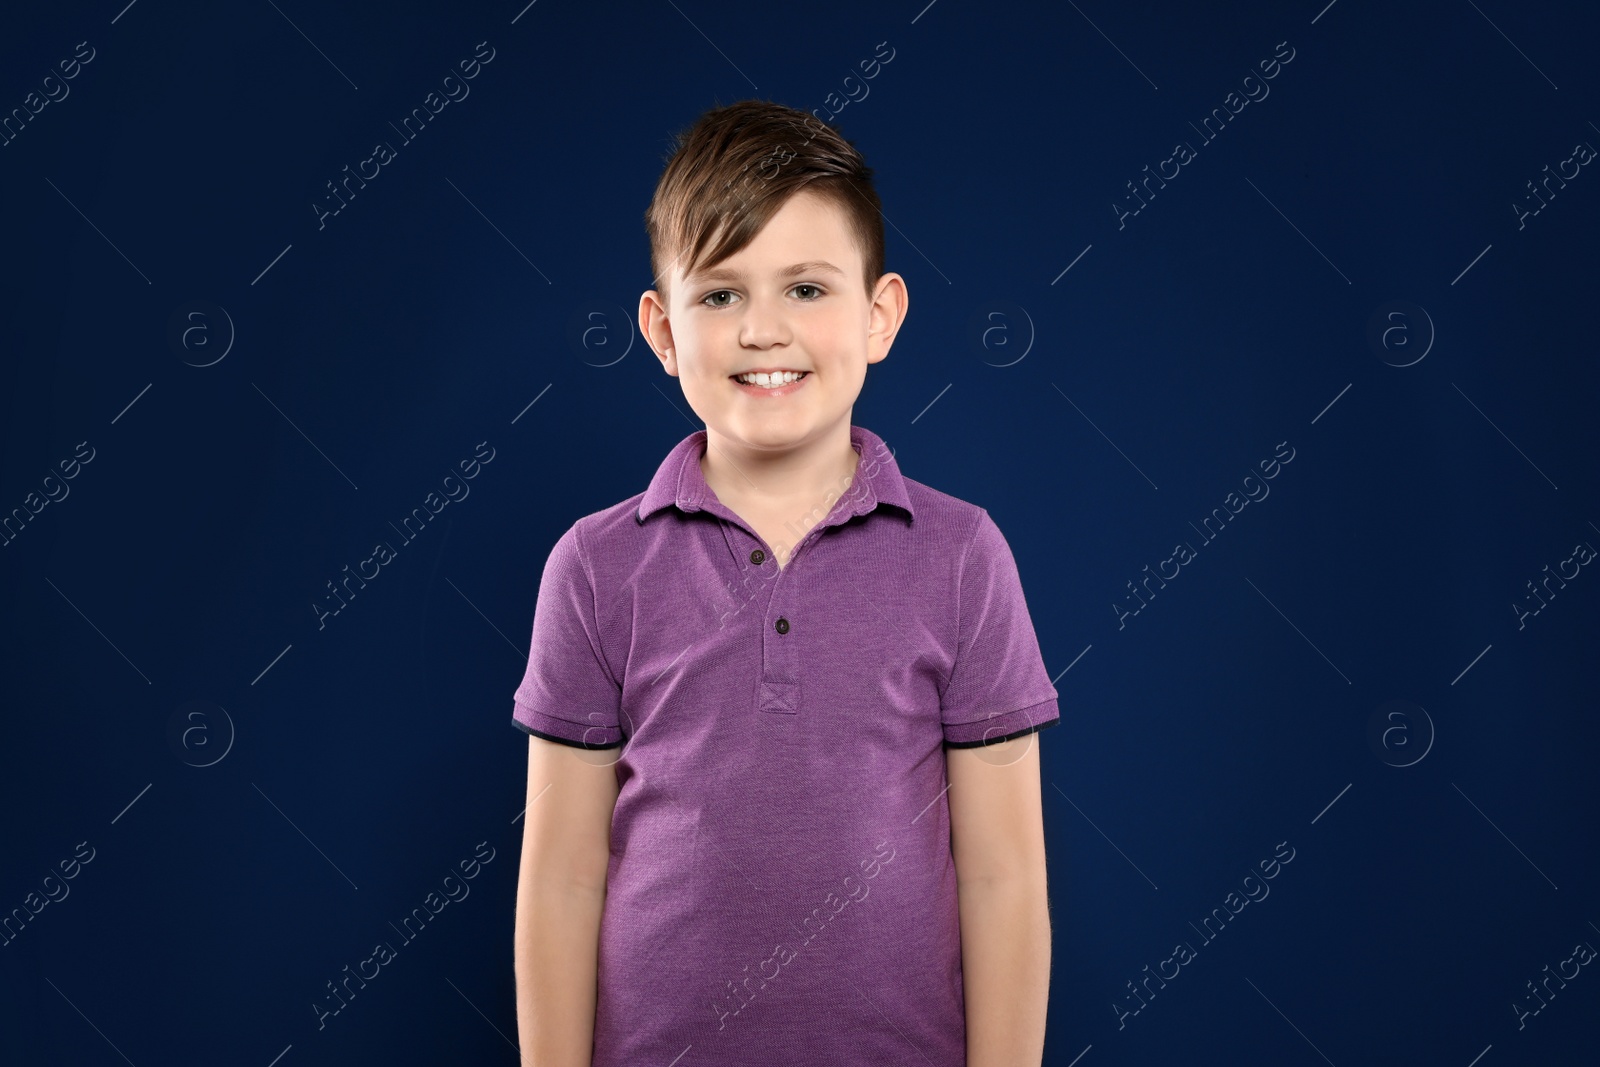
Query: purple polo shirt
point(781, 888)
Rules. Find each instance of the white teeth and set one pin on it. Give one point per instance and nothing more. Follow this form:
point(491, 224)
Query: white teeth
point(769, 381)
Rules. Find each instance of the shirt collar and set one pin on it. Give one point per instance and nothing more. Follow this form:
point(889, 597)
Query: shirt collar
point(680, 482)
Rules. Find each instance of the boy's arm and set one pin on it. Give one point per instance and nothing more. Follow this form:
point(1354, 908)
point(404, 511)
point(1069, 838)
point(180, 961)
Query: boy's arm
point(997, 841)
point(561, 891)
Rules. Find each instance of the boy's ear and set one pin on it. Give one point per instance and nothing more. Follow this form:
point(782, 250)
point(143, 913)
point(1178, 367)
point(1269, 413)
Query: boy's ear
point(657, 330)
point(890, 303)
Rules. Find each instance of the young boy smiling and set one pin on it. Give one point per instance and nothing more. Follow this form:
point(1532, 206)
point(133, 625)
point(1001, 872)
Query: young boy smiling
point(783, 784)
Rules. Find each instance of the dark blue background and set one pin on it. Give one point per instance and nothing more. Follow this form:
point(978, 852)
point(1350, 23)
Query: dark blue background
point(1231, 314)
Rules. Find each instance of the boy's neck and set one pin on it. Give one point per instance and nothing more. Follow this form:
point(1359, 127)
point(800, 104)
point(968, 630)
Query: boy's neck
point(780, 481)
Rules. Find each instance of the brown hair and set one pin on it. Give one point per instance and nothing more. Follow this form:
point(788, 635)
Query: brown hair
point(735, 168)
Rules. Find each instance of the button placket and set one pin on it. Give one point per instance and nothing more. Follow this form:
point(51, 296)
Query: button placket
point(780, 680)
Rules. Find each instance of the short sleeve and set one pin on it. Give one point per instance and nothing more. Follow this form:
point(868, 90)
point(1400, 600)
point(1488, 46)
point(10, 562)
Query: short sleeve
point(568, 693)
point(998, 686)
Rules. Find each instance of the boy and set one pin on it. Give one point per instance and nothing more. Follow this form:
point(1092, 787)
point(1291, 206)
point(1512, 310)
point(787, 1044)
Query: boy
point(747, 684)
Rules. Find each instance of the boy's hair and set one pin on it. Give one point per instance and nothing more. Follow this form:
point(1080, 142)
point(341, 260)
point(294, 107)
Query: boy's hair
point(733, 170)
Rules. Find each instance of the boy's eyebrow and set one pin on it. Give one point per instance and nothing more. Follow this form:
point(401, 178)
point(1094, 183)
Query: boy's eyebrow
point(725, 274)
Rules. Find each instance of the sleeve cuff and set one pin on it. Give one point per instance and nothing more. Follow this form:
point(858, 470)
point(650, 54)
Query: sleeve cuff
point(564, 731)
point(997, 728)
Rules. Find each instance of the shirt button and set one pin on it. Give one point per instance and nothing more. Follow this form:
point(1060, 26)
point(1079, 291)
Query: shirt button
point(758, 557)
point(782, 625)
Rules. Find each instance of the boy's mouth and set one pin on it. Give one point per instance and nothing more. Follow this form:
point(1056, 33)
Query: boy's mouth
point(769, 379)
point(777, 383)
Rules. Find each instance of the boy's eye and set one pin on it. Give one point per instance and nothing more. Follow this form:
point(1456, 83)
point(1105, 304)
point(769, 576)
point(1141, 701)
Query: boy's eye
point(710, 299)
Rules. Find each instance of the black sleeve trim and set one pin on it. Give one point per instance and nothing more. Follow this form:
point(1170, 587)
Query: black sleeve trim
point(563, 740)
point(1007, 737)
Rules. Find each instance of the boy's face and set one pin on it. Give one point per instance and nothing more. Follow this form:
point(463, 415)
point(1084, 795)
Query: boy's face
point(750, 313)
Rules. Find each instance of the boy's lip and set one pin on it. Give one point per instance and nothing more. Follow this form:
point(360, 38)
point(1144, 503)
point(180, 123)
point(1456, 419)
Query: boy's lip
point(773, 392)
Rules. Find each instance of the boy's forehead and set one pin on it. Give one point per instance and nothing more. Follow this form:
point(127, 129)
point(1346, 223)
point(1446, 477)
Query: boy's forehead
point(792, 242)
point(725, 273)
